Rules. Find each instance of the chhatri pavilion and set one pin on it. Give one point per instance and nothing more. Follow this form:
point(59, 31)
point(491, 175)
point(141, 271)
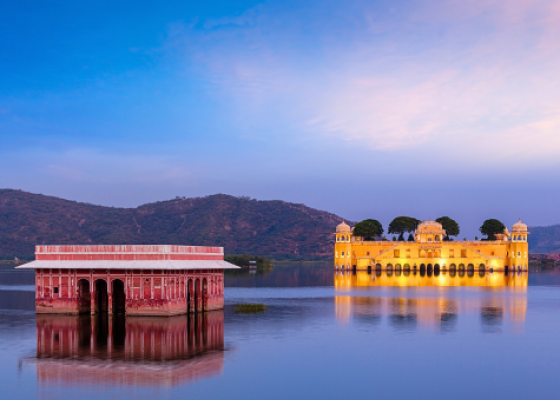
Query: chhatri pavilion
point(428, 251)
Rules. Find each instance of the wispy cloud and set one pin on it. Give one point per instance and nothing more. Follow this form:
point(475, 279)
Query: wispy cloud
point(469, 75)
point(87, 165)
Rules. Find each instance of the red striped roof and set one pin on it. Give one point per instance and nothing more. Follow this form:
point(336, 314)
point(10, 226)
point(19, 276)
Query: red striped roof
point(127, 253)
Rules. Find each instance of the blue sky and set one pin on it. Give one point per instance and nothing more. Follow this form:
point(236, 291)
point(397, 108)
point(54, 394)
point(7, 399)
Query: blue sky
point(368, 109)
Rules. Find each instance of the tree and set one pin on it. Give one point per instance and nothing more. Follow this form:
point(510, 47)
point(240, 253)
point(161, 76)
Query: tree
point(368, 229)
point(491, 227)
point(411, 237)
point(451, 226)
point(403, 224)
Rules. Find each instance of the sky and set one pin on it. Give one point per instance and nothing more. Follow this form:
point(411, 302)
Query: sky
point(367, 109)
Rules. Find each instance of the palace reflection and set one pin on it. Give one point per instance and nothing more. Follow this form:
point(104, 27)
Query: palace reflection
point(441, 312)
point(84, 350)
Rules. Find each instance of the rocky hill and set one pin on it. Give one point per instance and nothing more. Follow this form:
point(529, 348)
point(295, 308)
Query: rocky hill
point(275, 229)
point(544, 239)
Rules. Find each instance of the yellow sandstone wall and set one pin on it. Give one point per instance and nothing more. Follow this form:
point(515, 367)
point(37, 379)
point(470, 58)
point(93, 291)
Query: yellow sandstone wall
point(351, 252)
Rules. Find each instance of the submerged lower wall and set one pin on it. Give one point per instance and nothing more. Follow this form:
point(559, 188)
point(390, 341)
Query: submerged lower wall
point(135, 292)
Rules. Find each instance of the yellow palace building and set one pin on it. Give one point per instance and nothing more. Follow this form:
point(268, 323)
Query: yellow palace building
point(428, 251)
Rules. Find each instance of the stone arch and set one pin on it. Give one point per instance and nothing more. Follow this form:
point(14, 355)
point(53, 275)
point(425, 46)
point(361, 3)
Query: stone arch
point(389, 267)
point(398, 267)
point(481, 267)
point(190, 294)
point(378, 266)
point(84, 296)
point(101, 296)
point(406, 267)
point(118, 296)
point(461, 267)
point(470, 267)
point(452, 267)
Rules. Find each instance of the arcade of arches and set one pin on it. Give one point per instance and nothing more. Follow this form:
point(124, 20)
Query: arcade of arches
point(131, 293)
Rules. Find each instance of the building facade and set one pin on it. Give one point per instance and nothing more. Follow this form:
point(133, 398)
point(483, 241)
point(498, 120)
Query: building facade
point(158, 280)
point(510, 251)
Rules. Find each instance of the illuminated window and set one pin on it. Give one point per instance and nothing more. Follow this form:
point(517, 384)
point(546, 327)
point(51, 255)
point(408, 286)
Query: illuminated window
point(492, 253)
point(397, 253)
point(452, 253)
point(464, 253)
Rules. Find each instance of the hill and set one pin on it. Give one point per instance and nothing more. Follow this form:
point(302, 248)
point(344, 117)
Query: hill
point(275, 229)
point(544, 239)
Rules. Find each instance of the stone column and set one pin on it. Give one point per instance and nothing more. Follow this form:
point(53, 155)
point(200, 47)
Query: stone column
point(93, 293)
point(109, 296)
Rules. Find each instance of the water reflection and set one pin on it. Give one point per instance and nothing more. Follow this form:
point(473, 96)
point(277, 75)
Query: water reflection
point(408, 279)
point(143, 351)
point(406, 314)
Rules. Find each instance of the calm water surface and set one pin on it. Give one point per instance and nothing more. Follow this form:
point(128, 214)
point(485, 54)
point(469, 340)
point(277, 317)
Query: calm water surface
point(324, 335)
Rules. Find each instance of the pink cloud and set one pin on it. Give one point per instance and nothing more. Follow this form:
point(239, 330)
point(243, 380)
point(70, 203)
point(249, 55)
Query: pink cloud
point(440, 73)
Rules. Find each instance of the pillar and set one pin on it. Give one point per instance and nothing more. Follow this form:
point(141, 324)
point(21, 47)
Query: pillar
point(93, 294)
point(109, 296)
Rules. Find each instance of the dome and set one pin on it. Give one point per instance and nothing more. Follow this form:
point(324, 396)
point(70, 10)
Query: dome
point(430, 227)
point(519, 227)
point(343, 227)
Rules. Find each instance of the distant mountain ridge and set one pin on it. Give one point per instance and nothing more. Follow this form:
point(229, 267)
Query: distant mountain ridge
point(275, 229)
point(544, 239)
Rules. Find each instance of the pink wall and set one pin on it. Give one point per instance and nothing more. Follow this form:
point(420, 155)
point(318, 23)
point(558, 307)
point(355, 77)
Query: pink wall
point(146, 292)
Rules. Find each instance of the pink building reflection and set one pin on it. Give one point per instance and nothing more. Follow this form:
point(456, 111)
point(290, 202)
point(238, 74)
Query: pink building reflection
point(150, 352)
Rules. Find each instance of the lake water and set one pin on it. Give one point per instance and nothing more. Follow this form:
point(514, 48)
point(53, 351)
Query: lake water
point(324, 335)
